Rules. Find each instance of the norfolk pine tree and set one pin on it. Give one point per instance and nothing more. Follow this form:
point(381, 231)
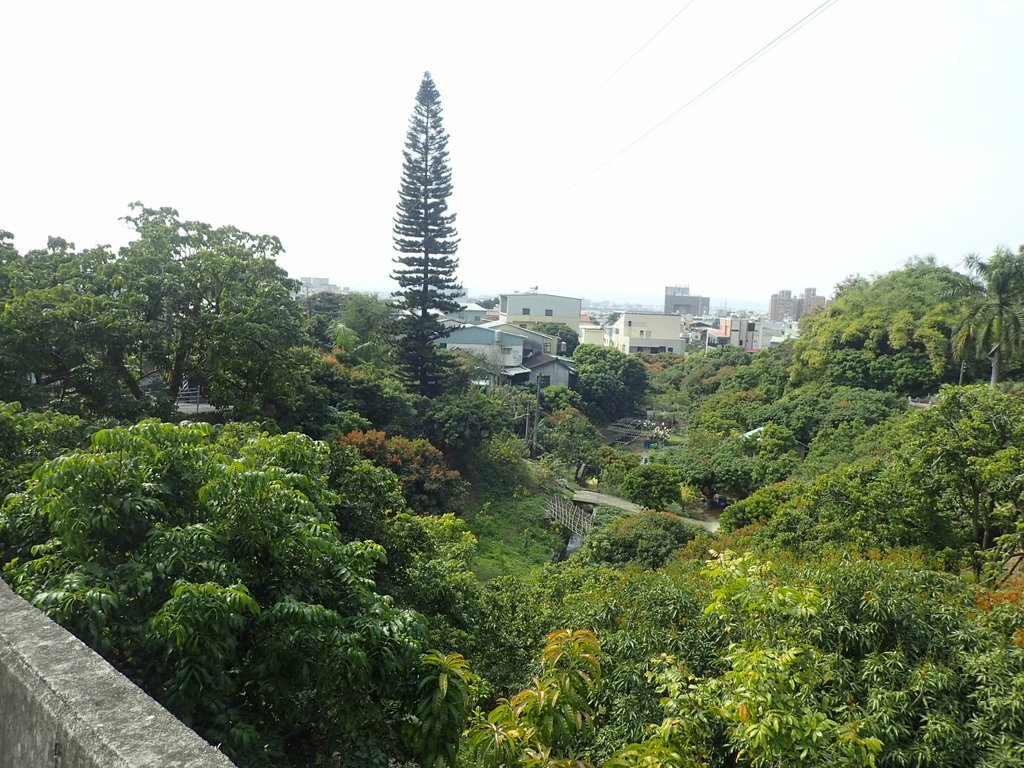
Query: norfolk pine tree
point(424, 233)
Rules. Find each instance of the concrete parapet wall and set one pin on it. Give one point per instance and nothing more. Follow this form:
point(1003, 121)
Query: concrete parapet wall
point(63, 706)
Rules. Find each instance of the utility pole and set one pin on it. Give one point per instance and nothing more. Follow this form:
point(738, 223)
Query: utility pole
point(536, 419)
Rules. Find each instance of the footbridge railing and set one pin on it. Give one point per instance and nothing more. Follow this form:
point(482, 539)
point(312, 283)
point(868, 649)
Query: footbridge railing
point(576, 519)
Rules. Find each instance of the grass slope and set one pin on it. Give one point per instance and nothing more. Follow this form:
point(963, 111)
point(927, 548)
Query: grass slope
point(515, 539)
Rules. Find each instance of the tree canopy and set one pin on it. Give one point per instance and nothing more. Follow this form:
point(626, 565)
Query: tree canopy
point(119, 334)
point(209, 568)
point(610, 383)
point(892, 333)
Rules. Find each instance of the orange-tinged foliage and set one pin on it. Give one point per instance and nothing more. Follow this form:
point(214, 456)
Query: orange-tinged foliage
point(428, 484)
point(989, 600)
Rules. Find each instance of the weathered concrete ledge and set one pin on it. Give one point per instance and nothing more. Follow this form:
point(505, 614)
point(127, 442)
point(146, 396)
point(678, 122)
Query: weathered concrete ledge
point(63, 706)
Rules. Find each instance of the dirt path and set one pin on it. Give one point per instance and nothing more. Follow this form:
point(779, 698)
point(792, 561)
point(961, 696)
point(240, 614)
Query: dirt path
point(603, 499)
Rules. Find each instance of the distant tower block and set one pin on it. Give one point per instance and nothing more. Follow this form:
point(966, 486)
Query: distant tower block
point(678, 301)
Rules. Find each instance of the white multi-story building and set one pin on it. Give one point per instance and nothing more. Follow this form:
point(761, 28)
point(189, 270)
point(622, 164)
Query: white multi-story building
point(636, 332)
point(528, 309)
point(753, 333)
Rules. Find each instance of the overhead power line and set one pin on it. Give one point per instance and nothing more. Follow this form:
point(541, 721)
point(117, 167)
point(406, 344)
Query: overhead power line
point(610, 77)
point(802, 22)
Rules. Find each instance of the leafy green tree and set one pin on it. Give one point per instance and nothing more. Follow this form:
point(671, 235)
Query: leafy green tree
point(945, 476)
point(366, 315)
point(216, 310)
point(425, 235)
point(570, 437)
point(118, 335)
point(772, 705)
point(711, 464)
point(776, 454)
point(649, 539)
point(681, 386)
point(881, 334)
point(460, 424)
point(865, 503)
point(371, 318)
point(654, 486)
point(558, 398)
point(428, 558)
point(994, 325)
point(67, 327)
point(758, 507)
point(965, 453)
point(444, 700)
point(542, 721)
point(27, 440)
point(611, 383)
point(563, 333)
point(211, 572)
point(615, 465)
point(730, 412)
point(807, 410)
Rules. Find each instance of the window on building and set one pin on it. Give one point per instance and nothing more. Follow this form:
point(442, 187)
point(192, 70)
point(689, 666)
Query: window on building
point(547, 347)
point(526, 310)
point(629, 322)
point(549, 313)
point(543, 380)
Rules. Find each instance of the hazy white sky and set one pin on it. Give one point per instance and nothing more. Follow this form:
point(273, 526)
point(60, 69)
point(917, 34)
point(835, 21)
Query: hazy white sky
point(880, 130)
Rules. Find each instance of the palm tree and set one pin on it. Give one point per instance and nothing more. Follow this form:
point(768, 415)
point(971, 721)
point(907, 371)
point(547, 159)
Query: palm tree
point(994, 325)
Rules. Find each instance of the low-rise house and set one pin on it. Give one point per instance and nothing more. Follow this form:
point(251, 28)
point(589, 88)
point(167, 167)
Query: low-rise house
point(536, 343)
point(470, 314)
point(636, 332)
point(500, 350)
point(528, 309)
point(551, 370)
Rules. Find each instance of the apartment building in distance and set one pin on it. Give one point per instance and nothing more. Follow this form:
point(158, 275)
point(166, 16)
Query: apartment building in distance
point(636, 332)
point(678, 301)
point(812, 301)
point(528, 309)
point(314, 285)
point(751, 333)
point(785, 306)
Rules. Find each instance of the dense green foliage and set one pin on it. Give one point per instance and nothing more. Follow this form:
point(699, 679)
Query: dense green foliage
point(291, 582)
point(892, 333)
point(649, 539)
point(185, 302)
point(610, 382)
point(654, 486)
point(572, 439)
point(210, 570)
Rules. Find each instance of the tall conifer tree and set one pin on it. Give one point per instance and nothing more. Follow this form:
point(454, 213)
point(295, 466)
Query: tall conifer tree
point(424, 233)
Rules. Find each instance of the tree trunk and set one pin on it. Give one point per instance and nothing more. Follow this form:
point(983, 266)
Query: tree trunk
point(996, 357)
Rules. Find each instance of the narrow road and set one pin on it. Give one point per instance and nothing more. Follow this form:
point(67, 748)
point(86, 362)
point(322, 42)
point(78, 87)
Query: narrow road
point(603, 499)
